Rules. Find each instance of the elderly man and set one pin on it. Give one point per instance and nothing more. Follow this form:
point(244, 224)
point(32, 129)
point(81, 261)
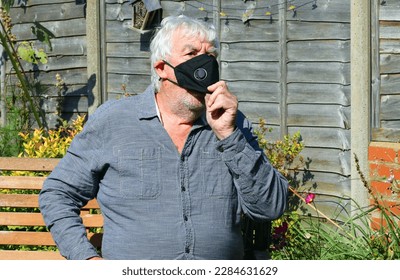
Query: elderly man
point(173, 168)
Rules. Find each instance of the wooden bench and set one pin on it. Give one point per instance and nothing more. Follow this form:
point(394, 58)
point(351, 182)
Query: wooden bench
point(19, 208)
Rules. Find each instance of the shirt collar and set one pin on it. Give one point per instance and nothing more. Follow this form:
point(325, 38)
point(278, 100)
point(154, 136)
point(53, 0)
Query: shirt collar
point(148, 107)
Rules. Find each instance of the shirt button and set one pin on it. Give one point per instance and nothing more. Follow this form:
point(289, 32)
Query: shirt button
point(187, 250)
point(221, 149)
point(185, 217)
point(183, 189)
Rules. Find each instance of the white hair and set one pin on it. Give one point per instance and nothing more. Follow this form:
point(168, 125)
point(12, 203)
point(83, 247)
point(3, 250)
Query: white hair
point(161, 44)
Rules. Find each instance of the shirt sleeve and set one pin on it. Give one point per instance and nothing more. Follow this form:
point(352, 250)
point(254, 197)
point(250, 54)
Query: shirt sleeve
point(73, 182)
point(262, 190)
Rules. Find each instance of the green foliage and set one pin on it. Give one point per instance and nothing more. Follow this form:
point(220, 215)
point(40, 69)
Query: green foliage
point(17, 120)
point(29, 53)
point(42, 143)
point(302, 237)
point(282, 153)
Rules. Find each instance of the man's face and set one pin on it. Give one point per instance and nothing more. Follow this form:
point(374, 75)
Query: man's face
point(183, 49)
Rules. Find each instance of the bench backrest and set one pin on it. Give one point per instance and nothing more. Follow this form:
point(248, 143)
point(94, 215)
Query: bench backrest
point(20, 216)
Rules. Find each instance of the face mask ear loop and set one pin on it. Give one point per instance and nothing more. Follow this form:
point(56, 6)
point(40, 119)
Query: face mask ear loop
point(166, 62)
point(175, 83)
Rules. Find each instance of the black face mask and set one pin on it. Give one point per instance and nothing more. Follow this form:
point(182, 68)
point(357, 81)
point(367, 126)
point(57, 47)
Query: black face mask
point(197, 73)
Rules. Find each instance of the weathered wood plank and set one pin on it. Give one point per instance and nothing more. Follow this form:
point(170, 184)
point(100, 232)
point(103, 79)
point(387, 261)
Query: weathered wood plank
point(390, 63)
point(324, 115)
point(255, 91)
point(188, 8)
point(55, 63)
point(309, 93)
point(386, 134)
point(65, 46)
point(319, 50)
point(389, 30)
point(390, 11)
point(134, 84)
point(332, 11)
point(118, 11)
point(67, 28)
point(256, 110)
point(53, 12)
point(250, 71)
point(389, 46)
point(327, 160)
point(300, 30)
point(331, 184)
point(324, 137)
point(319, 72)
point(69, 104)
point(128, 65)
point(129, 50)
point(260, 30)
point(250, 51)
point(390, 105)
point(73, 78)
point(392, 124)
point(120, 32)
point(390, 84)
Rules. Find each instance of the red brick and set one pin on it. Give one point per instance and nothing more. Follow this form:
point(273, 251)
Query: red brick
point(382, 153)
point(377, 223)
point(384, 170)
point(380, 187)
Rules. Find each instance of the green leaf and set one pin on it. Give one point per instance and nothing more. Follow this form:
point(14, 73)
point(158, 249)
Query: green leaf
point(41, 56)
point(26, 52)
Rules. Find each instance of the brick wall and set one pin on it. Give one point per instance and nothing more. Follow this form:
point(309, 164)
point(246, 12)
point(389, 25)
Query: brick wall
point(384, 166)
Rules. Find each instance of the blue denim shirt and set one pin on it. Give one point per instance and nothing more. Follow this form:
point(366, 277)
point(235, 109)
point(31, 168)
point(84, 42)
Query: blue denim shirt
point(157, 203)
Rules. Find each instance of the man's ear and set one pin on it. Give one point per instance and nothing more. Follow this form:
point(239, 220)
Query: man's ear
point(159, 66)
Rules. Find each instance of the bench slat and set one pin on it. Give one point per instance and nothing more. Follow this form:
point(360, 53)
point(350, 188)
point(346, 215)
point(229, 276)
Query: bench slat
point(19, 200)
point(39, 238)
point(36, 219)
point(32, 201)
point(30, 255)
point(26, 238)
point(28, 164)
point(21, 182)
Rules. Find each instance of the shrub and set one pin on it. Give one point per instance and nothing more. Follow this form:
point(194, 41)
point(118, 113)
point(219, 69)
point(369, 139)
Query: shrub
point(320, 238)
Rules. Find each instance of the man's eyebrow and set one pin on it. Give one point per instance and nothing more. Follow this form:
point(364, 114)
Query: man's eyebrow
point(189, 47)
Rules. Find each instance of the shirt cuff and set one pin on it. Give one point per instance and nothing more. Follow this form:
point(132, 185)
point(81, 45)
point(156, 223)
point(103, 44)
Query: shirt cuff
point(231, 145)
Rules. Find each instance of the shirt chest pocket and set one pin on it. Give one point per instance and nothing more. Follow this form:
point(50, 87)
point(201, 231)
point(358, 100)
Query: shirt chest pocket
point(139, 172)
point(216, 177)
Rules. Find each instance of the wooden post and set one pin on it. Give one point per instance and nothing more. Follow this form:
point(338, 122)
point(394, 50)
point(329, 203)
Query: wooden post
point(94, 50)
point(283, 68)
point(3, 95)
point(360, 96)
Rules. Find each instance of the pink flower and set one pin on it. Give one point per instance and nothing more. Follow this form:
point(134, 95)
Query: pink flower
point(310, 198)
